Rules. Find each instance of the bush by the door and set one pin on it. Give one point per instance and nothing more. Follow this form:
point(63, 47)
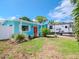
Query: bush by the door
point(45, 31)
point(18, 37)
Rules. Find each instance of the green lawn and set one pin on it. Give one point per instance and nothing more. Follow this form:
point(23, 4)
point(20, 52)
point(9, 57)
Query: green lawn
point(31, 46)
point(4, 46)
point(65, 46)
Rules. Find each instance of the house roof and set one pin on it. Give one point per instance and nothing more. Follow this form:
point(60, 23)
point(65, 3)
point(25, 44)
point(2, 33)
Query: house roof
point(62, 23)
point(2, 21)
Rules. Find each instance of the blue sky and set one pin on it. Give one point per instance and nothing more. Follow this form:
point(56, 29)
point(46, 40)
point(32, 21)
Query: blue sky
point(32, 8)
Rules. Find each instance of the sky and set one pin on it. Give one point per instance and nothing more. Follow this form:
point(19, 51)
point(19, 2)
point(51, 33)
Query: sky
point(58, 10)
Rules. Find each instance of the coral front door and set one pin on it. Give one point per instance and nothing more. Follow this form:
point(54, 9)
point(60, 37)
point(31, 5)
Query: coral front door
point(35, 31)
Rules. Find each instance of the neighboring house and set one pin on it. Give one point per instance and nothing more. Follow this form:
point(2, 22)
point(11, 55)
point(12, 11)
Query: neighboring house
point(10, 27)
point(65, 28)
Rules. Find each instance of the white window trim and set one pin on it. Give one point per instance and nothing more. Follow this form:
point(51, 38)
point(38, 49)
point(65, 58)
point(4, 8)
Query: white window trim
point(20, 28)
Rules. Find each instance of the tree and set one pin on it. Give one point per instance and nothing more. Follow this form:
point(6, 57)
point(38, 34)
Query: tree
point(51, 22)
point(75, 15)
point(74, 1)
point(25, 18)
point(45, 31)
point(41, 19)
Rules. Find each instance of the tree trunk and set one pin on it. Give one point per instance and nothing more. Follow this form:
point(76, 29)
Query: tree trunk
point(77, 37)
point(44, 34)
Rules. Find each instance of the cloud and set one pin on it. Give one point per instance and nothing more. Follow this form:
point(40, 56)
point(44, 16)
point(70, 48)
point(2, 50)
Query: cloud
point(2, 18)
point(8, 18)
point(13, 18)
point(57, 20)
point(33, 20)
point(62, 11)
point(69, 20)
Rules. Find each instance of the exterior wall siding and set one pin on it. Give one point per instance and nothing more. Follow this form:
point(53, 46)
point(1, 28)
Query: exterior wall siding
point(61, 27)
point(17, 27)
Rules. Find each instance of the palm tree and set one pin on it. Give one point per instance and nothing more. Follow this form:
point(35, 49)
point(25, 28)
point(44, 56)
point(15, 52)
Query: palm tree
point(75, 15)
point(51, 22)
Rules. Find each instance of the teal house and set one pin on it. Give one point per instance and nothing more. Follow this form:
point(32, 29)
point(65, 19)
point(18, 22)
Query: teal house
point(10, 27)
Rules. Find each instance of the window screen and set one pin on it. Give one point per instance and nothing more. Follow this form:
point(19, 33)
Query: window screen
point(25, 28)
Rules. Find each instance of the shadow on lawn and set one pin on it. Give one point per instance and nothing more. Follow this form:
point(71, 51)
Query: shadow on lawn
point(51, 36)
point(4, 40)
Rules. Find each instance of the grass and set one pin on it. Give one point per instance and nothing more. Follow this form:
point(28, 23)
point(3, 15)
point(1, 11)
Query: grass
point(32, 46)
point(4, 46)
point(29, 47)
point(65, 45)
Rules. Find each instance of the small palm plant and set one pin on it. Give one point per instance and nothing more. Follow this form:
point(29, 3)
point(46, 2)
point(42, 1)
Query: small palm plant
point(18, 37)
point(45, 31)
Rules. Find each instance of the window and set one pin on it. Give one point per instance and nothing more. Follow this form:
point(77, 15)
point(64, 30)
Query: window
point(70, 25)
point(25, 28)
point(10, 25)
point(57, 29)
point(65, 26)
point(40, 26)
point(51, 27)
point(3, 24)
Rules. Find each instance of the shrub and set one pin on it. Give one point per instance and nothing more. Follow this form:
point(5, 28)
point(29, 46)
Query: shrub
point(45, 31)
point(18, 37)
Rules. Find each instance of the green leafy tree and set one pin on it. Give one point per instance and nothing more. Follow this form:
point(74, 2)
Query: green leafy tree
point(51, 22)
point(25, 18)
point(41, 19)
point(74, 1)
point(75, 15)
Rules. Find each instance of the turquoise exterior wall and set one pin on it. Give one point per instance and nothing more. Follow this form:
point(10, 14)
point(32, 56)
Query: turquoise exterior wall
point(30, 32)
point(15, 24)
point(8, 23)
point(17, 28)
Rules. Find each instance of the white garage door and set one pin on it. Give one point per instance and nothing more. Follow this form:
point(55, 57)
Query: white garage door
point(6, 32)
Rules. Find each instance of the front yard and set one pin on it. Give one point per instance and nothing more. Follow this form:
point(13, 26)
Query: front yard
point(41, 48)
